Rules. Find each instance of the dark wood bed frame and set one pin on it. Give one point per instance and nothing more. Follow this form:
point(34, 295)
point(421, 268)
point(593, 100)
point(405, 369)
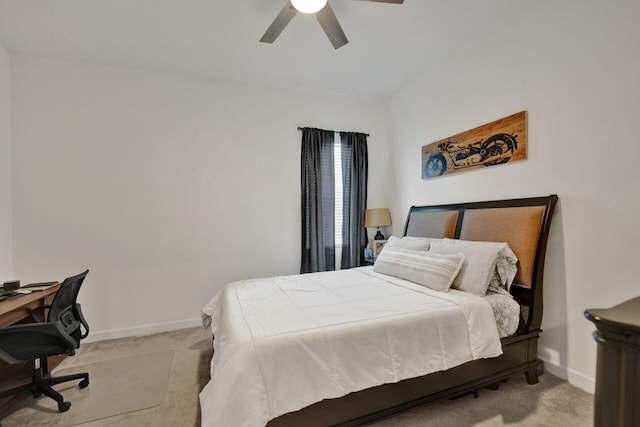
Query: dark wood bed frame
point(524, 224)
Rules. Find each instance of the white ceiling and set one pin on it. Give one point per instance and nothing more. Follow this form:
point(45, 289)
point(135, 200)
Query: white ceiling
point(389, 44)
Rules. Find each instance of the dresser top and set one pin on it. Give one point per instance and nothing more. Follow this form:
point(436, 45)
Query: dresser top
point(624, 316)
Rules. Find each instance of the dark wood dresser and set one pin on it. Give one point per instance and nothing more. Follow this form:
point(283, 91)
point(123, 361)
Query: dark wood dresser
point(617, 399)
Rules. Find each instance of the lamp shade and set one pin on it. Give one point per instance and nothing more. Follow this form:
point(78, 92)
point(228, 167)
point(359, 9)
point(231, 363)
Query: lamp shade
point(377, 217)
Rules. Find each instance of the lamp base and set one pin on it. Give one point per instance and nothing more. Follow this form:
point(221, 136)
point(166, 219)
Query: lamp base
point(378, 236)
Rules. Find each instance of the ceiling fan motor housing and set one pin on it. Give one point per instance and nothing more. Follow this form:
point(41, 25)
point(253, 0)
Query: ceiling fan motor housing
point(309, 6)
point(324, 13)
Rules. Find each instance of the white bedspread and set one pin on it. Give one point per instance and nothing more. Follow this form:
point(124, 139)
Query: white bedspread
point(283, 343)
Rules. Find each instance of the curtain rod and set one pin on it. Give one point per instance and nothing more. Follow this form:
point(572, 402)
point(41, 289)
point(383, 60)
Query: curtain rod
point(340, 131)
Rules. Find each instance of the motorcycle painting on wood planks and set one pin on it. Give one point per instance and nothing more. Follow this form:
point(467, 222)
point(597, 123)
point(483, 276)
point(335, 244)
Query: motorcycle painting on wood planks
point(495, 143)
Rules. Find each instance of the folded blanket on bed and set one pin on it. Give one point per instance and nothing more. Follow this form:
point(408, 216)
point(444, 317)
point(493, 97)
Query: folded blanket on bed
point(284, 343)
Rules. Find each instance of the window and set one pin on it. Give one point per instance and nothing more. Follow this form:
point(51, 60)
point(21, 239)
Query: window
point(337, 177)
point(338, 180)
point(334, 193)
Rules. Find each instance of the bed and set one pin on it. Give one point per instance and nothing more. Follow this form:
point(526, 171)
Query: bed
point(345, 348)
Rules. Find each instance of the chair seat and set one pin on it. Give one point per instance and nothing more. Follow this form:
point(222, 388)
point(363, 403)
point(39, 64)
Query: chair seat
point(34, 352)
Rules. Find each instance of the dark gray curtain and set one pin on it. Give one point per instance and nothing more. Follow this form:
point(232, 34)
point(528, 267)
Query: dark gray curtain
point(318, 201)
point(355, 165)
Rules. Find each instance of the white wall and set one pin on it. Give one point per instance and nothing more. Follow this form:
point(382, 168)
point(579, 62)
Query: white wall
point(6, 253)
point(574, 65)
point(166, 187)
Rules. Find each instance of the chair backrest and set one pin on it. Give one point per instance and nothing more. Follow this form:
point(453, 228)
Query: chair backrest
point(64, 307)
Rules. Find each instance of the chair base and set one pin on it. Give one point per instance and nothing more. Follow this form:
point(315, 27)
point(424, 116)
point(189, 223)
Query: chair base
point(43, 382)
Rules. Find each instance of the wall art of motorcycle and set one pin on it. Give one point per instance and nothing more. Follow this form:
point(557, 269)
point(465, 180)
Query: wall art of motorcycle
point(495, 143)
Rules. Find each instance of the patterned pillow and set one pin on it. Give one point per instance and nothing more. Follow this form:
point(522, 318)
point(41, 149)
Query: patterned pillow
point(435, 271)
point(505, 271)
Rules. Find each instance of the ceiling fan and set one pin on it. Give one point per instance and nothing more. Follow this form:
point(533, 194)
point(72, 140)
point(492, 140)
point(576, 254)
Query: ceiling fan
point(324, 13)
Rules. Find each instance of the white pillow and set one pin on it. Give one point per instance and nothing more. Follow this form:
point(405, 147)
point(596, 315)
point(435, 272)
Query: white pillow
point(479, 266)
point(410, 243)
point(435, 271)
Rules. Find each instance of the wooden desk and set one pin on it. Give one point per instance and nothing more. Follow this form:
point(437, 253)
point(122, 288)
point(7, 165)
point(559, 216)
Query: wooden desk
point(16, 379)
point(18, 309)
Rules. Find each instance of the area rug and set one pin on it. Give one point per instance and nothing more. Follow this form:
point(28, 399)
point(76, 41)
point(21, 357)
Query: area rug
point(115, 387)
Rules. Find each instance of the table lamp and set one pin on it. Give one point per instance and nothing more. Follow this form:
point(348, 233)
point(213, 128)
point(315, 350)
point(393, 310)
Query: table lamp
point(377, 218)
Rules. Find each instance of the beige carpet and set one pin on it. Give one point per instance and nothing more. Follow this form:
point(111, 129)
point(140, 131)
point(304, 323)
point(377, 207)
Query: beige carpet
point(116, 387)
point(189, 349)
point(553, 402)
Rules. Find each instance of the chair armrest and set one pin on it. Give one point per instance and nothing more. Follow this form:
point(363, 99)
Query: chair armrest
point(83, 321)
point(16, 336)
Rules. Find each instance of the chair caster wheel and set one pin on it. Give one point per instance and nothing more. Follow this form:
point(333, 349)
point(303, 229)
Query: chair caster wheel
point(64, 406)
point(83, 383)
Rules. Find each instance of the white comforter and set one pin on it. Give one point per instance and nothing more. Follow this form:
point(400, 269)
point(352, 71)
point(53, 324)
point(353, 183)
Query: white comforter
point(283, 343)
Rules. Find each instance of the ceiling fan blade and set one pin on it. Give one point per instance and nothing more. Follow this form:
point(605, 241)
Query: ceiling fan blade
point(331, 27)
point(386, 1)
point(284, 17)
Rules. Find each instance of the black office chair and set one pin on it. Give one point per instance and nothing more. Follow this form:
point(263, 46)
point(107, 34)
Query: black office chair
point(60, 334)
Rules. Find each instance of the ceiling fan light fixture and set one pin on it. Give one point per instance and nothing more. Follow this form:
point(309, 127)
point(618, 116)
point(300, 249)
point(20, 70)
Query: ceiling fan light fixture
point(309, 6)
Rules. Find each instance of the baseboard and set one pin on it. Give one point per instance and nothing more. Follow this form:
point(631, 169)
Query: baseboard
point(576, 378)
point(137, 331)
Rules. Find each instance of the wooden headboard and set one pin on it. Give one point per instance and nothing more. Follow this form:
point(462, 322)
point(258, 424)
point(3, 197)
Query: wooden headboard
point(522, 223)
